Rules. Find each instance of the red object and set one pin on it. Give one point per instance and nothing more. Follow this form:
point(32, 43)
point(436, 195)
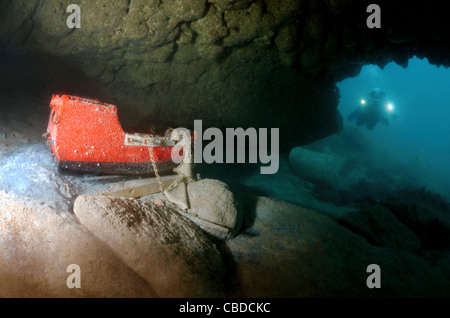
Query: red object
point(86, 136)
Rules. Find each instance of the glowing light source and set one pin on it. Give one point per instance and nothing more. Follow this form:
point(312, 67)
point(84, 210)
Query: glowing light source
point(363, 101)
point(390, 107)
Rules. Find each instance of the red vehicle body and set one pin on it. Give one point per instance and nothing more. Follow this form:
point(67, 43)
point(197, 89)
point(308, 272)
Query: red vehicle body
point(86, 136)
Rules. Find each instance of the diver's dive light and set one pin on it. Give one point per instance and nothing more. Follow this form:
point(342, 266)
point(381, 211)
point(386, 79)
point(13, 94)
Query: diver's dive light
point(390, 107)
point(363, 102)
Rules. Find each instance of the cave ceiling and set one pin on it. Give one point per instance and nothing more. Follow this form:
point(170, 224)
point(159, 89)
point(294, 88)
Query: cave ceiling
point(230, 63)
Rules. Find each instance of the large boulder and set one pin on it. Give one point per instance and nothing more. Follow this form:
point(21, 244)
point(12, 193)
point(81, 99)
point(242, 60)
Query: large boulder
point(325, 167)
point(38, 243)
point(212, 200)
point(170, 252)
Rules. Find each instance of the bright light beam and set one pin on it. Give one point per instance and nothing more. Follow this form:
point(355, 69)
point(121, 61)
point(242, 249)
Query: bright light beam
point(390, 107)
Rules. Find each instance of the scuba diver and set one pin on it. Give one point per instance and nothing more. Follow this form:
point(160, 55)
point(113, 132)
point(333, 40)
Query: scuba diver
point(376, 108)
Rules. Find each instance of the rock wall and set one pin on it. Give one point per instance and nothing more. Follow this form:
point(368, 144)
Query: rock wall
point(231, 63)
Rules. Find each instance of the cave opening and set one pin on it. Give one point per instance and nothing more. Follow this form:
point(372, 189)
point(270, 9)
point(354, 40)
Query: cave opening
point(418, 137)
point(338, 172)
point(403, 146)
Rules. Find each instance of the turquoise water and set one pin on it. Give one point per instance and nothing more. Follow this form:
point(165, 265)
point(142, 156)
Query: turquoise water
point(421, 136)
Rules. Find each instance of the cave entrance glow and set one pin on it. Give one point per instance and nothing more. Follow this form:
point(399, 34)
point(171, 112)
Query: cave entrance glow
point(420, 137)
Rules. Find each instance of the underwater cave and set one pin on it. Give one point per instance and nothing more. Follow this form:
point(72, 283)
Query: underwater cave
point(346, 194)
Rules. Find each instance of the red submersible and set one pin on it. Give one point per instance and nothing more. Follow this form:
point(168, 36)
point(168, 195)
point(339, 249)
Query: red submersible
point(86, 136)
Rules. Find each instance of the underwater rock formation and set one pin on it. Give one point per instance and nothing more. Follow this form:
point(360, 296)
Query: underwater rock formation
point(213, 201)
point(291, 251)
point(170, 252)
point(380, 227)
point(424, 212)
point(321, 166)
point(283, 250)
point(346, 167)
point(409, 219)
point(38, 243)
point(243, 63)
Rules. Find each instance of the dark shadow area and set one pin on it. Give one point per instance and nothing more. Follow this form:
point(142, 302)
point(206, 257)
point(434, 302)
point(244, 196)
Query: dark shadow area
point(37, 77)
point(426, 213)
point(231, 280)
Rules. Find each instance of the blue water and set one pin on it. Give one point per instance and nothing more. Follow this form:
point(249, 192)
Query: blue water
point(421, 136)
